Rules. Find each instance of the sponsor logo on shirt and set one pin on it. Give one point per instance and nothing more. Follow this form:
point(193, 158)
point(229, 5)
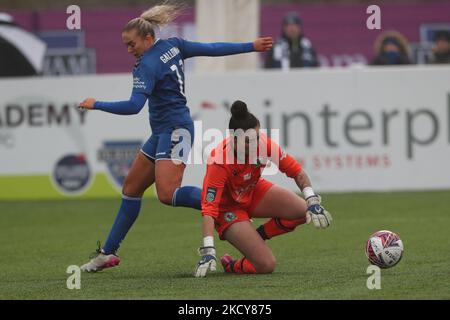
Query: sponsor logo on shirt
point(240, 192)
point(211, 194)
point(230, 216)
point(138, 83)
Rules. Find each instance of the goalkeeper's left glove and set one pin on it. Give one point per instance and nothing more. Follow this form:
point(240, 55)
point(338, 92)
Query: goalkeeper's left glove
point(317, 214)
point(208, 261)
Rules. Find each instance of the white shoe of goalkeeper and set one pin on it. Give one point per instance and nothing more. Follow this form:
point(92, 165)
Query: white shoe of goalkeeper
point(100, 261)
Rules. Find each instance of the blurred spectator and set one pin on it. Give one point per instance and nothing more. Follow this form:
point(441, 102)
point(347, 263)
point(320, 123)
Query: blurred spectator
point(391, 48)
point(441, 49)
point(293, 49)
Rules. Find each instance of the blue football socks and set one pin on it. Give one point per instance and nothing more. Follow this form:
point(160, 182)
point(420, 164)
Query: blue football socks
point(189, 197)
point(128, 212)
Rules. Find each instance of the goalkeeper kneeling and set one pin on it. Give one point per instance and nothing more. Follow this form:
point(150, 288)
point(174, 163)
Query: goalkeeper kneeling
point(234, 193)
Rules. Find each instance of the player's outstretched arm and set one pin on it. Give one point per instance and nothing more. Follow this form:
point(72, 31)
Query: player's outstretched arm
point(128, 107)
point(263, 44)
point(207, 251)
point(87, 104)
point(316, 213)
point(195, 49)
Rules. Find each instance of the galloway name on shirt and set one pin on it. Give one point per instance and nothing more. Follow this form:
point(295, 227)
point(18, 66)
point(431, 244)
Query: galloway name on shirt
point(168, 55)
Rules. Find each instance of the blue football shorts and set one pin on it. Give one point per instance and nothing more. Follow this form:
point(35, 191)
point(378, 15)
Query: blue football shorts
point(171, 144)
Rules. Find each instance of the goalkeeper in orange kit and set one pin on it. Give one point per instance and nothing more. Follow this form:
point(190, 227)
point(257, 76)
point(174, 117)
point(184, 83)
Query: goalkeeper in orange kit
point(234, 192)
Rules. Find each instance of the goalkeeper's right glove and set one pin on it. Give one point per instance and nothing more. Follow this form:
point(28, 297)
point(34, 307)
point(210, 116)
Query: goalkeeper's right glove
point(317, 214)
point(208, 261)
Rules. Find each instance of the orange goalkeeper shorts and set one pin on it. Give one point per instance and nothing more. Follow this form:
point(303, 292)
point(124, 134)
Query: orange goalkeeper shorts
point(230, 215)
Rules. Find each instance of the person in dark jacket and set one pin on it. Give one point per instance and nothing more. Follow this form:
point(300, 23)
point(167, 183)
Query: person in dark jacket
point(441, 50)
point(391, 48)
point(293, 49)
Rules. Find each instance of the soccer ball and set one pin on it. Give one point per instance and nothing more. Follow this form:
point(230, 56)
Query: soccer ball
point(384, 249)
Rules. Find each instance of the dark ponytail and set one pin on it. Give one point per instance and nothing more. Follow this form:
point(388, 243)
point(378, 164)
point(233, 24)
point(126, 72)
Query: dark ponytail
point(241, 118)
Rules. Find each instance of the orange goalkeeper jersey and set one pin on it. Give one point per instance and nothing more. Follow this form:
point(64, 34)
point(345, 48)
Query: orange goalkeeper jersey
point(230, 185)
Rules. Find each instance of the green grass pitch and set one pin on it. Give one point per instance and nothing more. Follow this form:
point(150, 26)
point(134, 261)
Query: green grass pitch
point(40, 239)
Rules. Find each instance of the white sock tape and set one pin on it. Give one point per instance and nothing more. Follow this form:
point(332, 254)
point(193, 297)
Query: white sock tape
point(208, 241)
point(308, 192)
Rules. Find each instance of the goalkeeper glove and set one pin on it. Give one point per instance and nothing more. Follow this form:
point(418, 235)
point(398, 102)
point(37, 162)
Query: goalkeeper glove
point(317, 214)
point(208, 261)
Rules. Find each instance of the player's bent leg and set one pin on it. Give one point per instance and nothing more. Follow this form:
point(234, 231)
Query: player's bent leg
point(279, 202)
point(276, 227)
point(139, 178)
point(172, 154)
point(169, 175)
point(258, 258)
point(292, 214)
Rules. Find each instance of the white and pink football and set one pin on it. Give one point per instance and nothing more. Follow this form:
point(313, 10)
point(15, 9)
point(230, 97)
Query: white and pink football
point(384, 249)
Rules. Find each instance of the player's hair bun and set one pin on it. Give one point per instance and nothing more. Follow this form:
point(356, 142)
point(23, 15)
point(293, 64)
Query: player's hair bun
point(239, 110)
point(242, 118)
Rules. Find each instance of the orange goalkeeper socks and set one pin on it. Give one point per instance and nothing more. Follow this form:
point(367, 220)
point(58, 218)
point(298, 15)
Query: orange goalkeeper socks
point(276, 226)
point(242, 265)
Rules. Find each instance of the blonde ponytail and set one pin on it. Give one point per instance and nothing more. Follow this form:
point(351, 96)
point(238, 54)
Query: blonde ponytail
point(155, 17)
point(162, 14)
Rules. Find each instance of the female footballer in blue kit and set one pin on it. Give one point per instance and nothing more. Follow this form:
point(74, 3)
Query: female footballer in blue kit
point(159, 78)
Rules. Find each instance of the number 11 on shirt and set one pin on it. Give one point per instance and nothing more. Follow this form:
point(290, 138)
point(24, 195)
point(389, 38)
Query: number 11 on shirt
point(180, 79)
